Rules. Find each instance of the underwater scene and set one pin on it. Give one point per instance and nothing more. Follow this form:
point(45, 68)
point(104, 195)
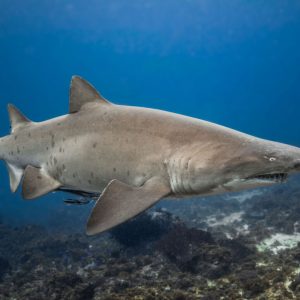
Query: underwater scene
point(89, 175)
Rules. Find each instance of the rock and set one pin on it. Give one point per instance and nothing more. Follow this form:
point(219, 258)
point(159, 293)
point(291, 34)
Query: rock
point(252, 282)
point(295, 285)
point(143, 229)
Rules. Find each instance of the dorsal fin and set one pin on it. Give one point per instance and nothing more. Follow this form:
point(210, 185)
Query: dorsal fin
point(17, 119)
point(82, 92)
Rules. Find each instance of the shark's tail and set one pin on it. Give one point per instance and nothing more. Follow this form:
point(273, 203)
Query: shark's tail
point(1, 149)
point(17, 121)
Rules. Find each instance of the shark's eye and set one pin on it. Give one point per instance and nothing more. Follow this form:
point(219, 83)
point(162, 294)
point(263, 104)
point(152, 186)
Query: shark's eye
point(270, 158)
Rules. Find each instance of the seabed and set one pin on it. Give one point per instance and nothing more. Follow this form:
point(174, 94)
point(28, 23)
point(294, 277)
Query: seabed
point(242, 246)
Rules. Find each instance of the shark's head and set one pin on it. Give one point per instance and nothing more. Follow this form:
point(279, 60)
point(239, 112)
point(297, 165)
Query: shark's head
point(237, 166)
point(265, 163)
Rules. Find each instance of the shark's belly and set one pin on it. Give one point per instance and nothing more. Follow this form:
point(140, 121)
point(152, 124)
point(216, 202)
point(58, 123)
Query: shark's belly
point(89, 164)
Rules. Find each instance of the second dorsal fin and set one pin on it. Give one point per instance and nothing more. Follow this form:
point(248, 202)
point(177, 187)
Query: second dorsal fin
point(82, 92)
point(17, 119)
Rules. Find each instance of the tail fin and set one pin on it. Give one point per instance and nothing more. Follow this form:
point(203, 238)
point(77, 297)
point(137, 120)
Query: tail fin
point(17, 119)
point(15, 173)
point(15, 176)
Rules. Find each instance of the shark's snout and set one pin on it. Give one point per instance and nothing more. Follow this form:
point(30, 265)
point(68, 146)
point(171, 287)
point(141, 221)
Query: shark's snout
point(265, 164)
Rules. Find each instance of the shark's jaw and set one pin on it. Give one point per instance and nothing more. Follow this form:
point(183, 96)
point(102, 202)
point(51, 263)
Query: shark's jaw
point(255, 181)
point(268, 178)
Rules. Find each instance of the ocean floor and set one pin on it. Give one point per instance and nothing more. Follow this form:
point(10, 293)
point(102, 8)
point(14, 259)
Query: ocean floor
point(241, 246)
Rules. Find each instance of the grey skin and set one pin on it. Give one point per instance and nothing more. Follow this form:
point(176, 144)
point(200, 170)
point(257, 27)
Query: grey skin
point(135, 156)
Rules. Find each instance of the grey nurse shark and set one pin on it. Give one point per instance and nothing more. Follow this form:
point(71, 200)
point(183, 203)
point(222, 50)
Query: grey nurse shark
point(132, 157)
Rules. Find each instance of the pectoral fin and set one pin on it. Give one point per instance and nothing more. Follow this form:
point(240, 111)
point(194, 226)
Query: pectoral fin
point(37, 182)
point(120, 202)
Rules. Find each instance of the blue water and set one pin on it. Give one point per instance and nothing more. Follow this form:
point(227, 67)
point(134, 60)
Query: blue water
point(236, 63)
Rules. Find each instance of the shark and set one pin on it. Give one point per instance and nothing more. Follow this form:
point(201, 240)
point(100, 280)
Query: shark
point(128, 158)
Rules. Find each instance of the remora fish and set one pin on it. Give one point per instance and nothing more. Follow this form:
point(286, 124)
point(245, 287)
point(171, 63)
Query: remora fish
point(135, 156)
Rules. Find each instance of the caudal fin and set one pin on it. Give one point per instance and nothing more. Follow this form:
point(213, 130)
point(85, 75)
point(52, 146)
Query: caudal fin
point(15, 176)
point(17, 119)
point(15, 173)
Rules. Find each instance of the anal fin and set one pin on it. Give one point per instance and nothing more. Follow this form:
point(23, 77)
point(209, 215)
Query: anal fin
point(120, 202)
point(37, 182)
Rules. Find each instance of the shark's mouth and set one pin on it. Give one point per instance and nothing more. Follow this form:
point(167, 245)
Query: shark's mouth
point(273, 177)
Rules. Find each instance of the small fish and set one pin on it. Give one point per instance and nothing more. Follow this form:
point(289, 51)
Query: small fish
point(77, 201)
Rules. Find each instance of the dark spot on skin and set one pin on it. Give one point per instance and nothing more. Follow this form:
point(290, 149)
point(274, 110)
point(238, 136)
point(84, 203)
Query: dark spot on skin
point(12, 152)
point(92, 174)
point(16, 137)
point(55, 160)
point(58, 124)
point(128, 173)
point(89, 181)
point(64, 167)
point(39, 177)
point(74, 175)
point(60, 149)
point(115, 169)
point(64, 139)
point(47, 163)
point(47, 148)
point(144, 175)
point(18, 149)
point(52, 140)
point(29, 134)
point(94, 145)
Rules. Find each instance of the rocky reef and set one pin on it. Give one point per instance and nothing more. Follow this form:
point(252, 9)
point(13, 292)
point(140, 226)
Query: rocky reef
point(242, 246)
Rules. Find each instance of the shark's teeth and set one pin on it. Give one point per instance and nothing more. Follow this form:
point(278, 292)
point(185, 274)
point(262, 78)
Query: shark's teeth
point(276, 177)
